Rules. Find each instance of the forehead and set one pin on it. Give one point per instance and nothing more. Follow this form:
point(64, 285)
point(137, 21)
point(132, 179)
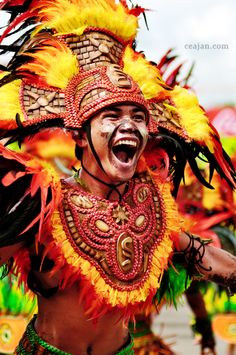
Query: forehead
point(124, 108)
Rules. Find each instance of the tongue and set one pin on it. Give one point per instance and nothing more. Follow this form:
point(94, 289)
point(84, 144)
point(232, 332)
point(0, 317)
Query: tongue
point(122, 156)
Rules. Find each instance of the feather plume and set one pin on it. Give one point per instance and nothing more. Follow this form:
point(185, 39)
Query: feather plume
point(192, 116)
point(165, 61)
point(74, 16)
point(200, 132)
point(172, 78)
point(173, 285)
point(43, 69)
point(144, 73)
point(9, 100)
point(17, 21)
point(41, 193)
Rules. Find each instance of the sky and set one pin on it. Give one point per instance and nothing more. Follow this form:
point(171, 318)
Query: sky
point(193, 28)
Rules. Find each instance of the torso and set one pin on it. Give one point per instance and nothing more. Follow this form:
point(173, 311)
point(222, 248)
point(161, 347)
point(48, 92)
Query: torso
point(109, 260)
point(61, 322)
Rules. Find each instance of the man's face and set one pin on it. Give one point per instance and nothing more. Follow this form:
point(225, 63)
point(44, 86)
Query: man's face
point(119, 135)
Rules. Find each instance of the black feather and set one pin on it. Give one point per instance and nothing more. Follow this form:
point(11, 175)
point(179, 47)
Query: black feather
point(15, 222)
point(10, 195)
point(20, 133)
point(197, 172)
point(17, 9)
point(177, 156)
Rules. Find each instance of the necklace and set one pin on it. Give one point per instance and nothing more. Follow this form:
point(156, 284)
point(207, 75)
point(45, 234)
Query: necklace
point(113, 187)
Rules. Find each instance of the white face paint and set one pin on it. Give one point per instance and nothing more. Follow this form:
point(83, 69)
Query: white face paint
point(119, 135)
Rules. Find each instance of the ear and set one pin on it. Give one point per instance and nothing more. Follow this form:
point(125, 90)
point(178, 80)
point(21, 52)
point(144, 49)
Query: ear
point(80, 138)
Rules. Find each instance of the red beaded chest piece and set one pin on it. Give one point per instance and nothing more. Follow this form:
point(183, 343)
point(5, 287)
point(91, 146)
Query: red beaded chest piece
point(118, 238)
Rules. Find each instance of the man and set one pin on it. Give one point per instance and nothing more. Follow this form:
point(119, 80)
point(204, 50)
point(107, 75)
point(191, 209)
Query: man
point(93, 247)
point(111, 127)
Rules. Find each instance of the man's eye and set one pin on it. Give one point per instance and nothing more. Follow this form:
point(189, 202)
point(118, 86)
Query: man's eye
point(139, 118)
point(111, 116)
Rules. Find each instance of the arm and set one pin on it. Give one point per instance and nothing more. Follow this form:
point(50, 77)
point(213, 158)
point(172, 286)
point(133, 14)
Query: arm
point(202, 323)
point(212, 263)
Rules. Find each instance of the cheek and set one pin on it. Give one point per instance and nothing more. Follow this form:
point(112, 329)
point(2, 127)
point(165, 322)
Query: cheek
point(107, 131)
point(144, 133)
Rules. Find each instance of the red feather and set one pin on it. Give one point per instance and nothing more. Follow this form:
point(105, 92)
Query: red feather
point(19, 19)
point(42, 180)
point(171, 79)
point(11, 3)
point(137, 10)
point(165, 61)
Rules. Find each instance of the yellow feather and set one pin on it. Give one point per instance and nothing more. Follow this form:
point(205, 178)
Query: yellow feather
point(44, 65)
point(75, 15)
point(147, 76)
point(212, 199)
point(192, 117)
point(9, 100)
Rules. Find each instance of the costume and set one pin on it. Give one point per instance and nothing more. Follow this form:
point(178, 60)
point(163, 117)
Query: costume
point(118, 251)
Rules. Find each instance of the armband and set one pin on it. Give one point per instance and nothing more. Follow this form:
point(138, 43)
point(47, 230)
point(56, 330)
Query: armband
point(193, 255)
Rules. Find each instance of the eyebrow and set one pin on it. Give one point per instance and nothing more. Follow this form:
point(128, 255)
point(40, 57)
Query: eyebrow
point(118, 110)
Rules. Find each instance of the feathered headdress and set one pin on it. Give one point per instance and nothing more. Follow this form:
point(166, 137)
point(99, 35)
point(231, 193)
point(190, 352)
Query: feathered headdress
point(76, 57)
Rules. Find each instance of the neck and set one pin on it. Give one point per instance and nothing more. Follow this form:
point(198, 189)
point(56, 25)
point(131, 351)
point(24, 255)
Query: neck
point(101, 189)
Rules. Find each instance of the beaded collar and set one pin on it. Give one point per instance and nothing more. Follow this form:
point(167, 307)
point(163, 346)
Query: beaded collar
point(117, 238)
point(119, 249)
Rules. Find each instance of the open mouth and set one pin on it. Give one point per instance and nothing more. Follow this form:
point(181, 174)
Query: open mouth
point(125, 150)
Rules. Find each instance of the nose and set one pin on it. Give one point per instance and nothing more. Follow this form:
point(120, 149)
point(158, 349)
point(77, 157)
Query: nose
point(127, 125)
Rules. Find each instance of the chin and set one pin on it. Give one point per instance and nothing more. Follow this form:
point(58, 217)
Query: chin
point(122, 174)
point(123, 177)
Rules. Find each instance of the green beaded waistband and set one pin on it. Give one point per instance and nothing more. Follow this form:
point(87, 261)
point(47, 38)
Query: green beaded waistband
point(32, 344)
point(140, 329)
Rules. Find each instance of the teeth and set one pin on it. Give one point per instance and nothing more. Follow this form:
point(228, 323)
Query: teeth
point(127, 142)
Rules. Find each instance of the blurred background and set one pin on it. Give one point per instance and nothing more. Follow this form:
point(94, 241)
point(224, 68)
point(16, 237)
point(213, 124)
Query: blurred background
point(202, 32)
